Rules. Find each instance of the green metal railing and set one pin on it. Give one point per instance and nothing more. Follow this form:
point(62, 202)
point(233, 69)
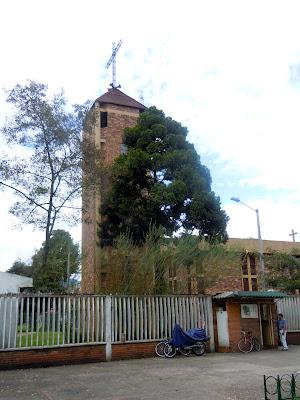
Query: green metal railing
point(282, 387)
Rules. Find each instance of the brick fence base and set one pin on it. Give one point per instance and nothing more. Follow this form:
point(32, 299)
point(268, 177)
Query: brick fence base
point(124, 351)
point(51, 356)
point(75, 354)
point(293, 337)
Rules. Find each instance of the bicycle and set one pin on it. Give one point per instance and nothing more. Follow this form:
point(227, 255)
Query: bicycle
point(160, 349)
point(248, 342)
point(198, 349)
point(193, 340)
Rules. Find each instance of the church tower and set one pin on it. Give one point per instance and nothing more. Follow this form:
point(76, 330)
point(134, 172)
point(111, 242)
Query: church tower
point(114, 111)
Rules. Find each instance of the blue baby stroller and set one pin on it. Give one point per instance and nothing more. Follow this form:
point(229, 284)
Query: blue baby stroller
point(192, 340)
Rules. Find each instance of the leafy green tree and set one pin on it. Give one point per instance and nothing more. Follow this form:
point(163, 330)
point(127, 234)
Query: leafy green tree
point(20, 268)
point(283, 270)
point(44, 165)
point(63, 261)
point(160, 181)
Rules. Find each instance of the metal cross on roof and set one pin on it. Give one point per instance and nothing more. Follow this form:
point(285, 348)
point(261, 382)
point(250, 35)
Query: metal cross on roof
point(112, 61)
point(293, 234)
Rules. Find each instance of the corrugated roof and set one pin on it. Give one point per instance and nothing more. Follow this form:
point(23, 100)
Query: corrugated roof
point(115, 96)
point(272, 294)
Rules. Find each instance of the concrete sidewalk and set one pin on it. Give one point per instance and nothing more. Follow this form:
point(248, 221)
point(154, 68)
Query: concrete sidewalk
point(211, 377)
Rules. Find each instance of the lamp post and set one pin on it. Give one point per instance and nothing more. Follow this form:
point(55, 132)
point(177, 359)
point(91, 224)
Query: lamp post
point(261, 250)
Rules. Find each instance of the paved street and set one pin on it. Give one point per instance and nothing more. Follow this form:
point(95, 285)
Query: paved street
point(212, 377)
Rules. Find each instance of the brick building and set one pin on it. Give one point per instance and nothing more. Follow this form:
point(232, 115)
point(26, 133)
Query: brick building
point(245, 311)
point(242, 275)
point(246, 278)
point(114, 111)
point(239, 305)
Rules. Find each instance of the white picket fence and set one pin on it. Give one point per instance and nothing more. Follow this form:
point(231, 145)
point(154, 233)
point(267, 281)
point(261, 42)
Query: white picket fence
point(44, 321)
point(38, 321)
point(153, 317)
point(290, 308)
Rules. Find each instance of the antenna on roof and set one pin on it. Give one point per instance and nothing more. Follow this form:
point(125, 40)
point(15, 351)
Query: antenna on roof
point(112, 61)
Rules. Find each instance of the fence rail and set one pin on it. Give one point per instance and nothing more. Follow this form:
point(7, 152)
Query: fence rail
point(153, 317)
point(290, 308)
point(31, 321)
point(284, 387)
point(44, 321)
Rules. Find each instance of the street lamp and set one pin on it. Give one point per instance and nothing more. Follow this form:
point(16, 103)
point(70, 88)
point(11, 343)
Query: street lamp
point(261, 250)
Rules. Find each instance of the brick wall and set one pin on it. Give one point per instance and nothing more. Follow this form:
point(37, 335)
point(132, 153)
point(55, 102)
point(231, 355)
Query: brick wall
point(73, 355)
point(133, 350)
point(110, 139)
point(293, 337)
point(137, 350)
point(113, 133)
point(47, 357)
point(251, 325)
point(236, 324)
point(226, 284)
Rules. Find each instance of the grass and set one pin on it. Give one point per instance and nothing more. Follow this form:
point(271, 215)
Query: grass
point(37, 339)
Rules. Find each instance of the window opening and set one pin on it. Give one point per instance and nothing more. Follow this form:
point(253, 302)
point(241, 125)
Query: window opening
point(103, 119)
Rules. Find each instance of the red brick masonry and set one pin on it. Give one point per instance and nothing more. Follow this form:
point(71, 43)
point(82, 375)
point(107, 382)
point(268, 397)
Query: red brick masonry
point(51, 356)
point(293, 337)
point(73, 355)
point(124, 351)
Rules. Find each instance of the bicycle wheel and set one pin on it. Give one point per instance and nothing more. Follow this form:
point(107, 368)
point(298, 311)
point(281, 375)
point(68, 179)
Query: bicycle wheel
point(199, 348)
point(169, 350)
point(159, 348)
point(256, 344)
point(245, 346)
point(184, 351)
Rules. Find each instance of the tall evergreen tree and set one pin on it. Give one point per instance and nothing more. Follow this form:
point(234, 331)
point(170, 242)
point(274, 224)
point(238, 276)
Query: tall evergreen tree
point(160, 181)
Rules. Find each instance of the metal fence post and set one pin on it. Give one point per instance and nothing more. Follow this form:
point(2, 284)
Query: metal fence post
point(279, 397)
point(265, 387)
point(293, 387)
point(108, 348)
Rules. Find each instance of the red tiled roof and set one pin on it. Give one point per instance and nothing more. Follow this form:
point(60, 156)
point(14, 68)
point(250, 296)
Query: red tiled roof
point(115, 96)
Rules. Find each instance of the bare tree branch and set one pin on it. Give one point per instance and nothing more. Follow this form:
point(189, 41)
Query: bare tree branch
point(52, 173)
point(68, 197)
point(24, 195)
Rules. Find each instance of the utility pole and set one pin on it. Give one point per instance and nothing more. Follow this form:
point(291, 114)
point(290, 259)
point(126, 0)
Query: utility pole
point(293, 234)
point(260, 243)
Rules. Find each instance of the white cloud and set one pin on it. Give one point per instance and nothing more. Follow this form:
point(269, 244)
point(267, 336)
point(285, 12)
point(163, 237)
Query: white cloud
point(276, 219)
point(222, 68)
point(21, 241)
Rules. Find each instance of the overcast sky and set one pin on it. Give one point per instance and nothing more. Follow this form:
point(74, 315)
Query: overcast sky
point(228, 70)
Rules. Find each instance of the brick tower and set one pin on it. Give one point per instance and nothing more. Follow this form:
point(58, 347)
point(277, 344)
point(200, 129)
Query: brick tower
point(114, 111)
